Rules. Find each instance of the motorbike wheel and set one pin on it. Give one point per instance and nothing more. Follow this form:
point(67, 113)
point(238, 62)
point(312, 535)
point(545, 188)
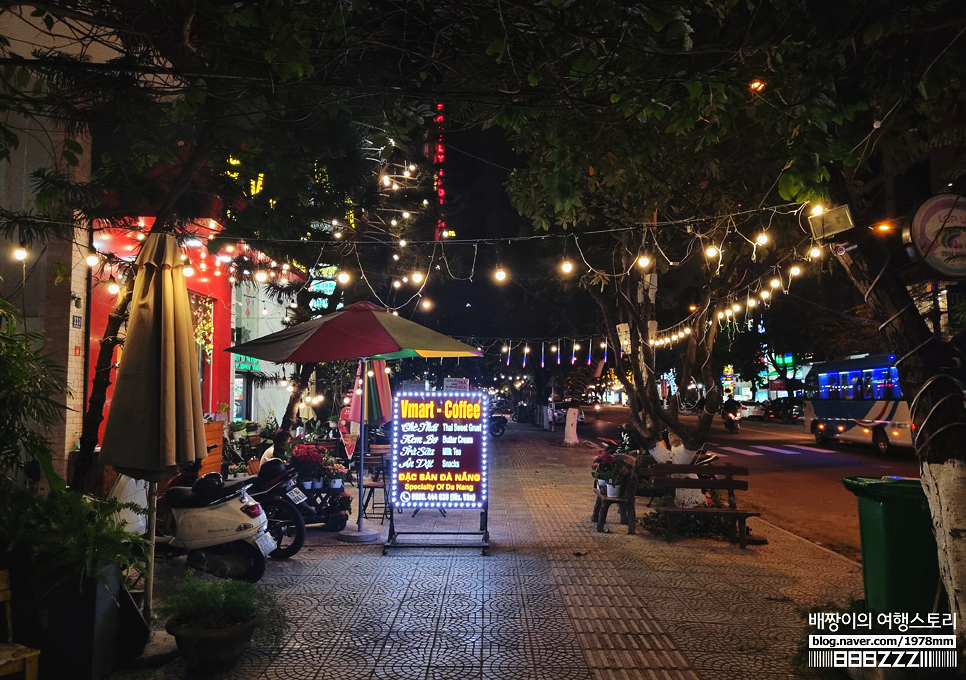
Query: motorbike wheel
point(497, 429)
point(286, 526)
point(238, 560)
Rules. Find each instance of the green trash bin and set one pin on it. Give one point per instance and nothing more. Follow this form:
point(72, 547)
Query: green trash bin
point(900, 565)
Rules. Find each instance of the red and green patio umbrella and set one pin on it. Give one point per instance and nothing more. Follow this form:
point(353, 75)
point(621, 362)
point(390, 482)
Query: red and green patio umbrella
point(358, 331)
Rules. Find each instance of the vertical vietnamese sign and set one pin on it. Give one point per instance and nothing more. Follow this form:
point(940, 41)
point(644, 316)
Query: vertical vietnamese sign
point(439, 450)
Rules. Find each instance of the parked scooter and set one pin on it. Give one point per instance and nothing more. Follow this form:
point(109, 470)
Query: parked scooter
point(732, 421)
point(276, 489)
point(218, 527)
point(497, 424)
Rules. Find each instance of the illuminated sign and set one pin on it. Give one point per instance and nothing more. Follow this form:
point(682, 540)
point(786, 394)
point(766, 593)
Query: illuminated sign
point(439, 444)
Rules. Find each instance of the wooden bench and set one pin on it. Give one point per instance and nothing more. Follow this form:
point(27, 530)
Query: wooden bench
point(724, 479)
point(626, 495)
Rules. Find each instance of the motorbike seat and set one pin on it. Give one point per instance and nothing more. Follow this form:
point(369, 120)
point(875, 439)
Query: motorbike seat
point(183, 497)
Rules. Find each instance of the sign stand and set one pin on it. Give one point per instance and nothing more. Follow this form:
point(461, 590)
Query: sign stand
point(439, 461)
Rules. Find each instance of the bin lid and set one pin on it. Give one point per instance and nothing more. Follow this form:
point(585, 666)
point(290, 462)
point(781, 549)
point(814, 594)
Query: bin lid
point(886, 488)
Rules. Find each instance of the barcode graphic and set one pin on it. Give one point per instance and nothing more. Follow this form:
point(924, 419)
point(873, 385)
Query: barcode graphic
point(906, 658)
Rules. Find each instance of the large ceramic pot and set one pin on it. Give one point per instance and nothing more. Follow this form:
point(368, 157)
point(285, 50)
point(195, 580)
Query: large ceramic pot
point(212, 650)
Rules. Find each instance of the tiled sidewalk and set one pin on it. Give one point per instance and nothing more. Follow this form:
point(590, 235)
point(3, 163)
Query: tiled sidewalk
point(553, 600)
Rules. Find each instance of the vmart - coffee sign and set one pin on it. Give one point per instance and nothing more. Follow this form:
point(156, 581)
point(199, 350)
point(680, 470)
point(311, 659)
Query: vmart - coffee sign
point(439, 447)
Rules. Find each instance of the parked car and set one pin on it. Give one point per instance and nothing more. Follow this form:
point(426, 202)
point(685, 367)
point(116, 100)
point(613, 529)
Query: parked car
point(559, 410)
point(752, 409)
point(787, 409)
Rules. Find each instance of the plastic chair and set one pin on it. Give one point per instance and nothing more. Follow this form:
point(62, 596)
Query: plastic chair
point(15, 658)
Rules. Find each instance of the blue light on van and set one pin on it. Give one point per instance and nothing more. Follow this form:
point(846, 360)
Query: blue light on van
point(892, 357)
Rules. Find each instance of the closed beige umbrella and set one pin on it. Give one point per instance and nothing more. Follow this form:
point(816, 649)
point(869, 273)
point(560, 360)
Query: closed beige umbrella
point(155, 422)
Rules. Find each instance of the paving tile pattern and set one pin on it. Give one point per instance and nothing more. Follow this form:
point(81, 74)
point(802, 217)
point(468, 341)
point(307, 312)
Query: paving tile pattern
point(553, 599)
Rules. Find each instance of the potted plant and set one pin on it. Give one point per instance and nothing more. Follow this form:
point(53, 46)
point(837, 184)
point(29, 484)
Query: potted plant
point(213, 621)
point(237, 470)
point(610, 469)
point(308, 461)
point(334, 472)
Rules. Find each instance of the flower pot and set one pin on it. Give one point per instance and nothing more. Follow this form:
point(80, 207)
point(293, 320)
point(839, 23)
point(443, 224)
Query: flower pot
point(212, 650)
point(602, 484)
point(318, 483)
point(611, 491)
point(335, 483)
point(307, 484)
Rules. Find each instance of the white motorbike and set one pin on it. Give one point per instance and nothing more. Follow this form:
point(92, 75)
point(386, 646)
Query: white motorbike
point(220, 529)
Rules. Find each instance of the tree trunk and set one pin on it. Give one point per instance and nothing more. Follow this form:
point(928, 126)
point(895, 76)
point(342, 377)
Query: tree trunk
point(570, 428)
point(87, 476)
point(679, 454)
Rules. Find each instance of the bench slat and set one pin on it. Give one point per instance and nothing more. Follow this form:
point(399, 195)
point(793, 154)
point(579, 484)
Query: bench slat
point(669, 469)
point(692, 483)
point(718, 511)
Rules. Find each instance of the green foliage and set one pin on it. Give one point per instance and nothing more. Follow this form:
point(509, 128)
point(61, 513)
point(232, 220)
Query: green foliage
point(66, 537)
point(30, 385)
point(209, 603)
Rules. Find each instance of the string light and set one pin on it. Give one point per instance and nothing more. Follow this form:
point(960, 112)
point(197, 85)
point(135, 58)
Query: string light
point(712, 251)
point(21, 252)
point(500, 274)
point(342, 277)
point(566, 266)
point(112, 286)
point(643, 261)
point(417, 277)
point(92, 259)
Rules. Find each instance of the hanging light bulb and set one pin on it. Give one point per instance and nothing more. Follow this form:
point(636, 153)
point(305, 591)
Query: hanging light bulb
point(294, 305)
point(762, 239)
point(712, 251)
point(720, 315)
point(188, 269)
point(687, 331)
point(815, 252)
point(21, 252)
point(818, 209)
point(261, 276)
point(795, 271)
point(264, 311)
point(736, 307)
point(337, 234)
point(765, 295)
point(752, 302)
point(417, 277)
point(92, 259)
point(112, 286)
point(343, 277)
point(396, 284)
point(500, 274)
point(566, 266)
point(402, 243)
point(395, 256)
point(776, 283)
point(427, 304)
point(643, 261)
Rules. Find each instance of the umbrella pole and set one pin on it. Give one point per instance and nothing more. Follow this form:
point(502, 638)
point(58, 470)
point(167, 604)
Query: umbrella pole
point(149, 577)
point(362, 435)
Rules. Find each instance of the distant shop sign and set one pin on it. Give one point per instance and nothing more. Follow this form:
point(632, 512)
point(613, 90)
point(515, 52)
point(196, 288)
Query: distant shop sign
point(939, 234)
point(439, 450)
point(776, 385)
point(243, 363)
point(460, 384)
